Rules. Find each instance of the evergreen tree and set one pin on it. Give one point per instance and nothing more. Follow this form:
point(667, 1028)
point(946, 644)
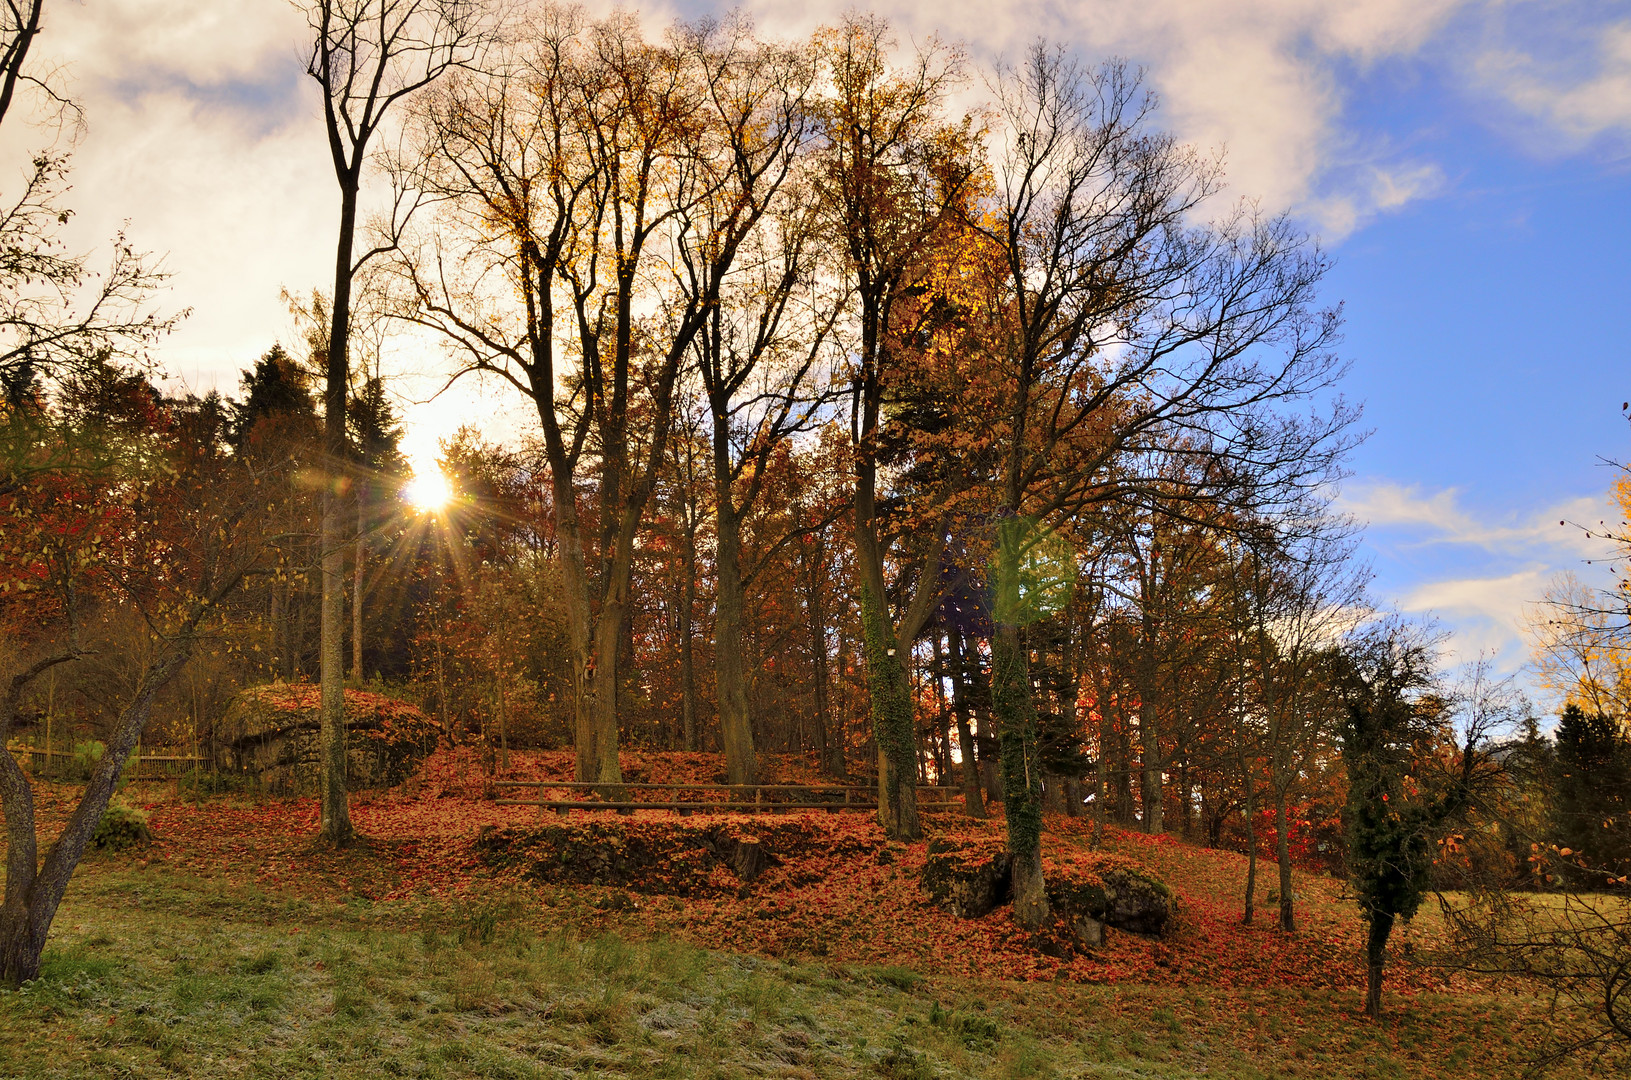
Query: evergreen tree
point(1393, 725)
point(374, 434)
point(274, 387)
point(1591, 785)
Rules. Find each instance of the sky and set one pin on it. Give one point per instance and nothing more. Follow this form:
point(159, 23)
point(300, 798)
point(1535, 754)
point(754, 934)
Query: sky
point(1464, 162)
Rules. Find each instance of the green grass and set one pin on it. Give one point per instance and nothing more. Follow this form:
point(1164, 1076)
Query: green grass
point(154, 974)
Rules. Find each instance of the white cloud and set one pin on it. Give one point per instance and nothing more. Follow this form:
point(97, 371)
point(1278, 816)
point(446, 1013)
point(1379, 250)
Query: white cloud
point(1477, 575)
point(1255, 77)
point(1578, 93)
point(1488, 616)
point(203, 136)
point(1500, 598)
point(1439, 518)
point(205, 132)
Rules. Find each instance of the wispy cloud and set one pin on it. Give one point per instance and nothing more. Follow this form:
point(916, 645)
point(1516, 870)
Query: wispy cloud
point(1479, 575)
point(1577, 85)
point(1488, 615)
point(1428, 518)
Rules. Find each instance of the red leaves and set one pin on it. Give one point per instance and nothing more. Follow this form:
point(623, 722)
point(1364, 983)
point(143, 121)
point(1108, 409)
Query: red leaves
point(836, 890)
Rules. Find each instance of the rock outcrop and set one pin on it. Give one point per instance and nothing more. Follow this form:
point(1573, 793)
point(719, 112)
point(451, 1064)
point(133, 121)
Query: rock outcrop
point(969, 876)
point(271, 732)
point(1110, 890)
point(972, 876)
point(666, 857)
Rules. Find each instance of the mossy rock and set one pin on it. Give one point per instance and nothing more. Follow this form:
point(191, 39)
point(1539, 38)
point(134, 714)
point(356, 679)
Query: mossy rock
point(654, 857)
point(1111, 890)
point(969, 875)
point(271, 732)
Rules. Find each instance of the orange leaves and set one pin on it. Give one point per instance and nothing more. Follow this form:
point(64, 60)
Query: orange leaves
point(835, 888)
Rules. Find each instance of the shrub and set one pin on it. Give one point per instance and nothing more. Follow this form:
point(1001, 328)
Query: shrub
point(122, 827)
point(977, 1032)
point(86, 755)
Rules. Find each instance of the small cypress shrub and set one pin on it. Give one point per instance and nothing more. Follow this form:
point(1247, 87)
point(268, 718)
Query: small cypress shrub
point(86, 755)
point(122, 827)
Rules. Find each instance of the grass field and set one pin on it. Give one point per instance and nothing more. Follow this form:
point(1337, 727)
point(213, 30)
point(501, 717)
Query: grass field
point(155, 974)
point(158, 973)
point(255, 959)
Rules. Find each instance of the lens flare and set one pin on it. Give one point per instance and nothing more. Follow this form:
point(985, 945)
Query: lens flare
point(429, 492)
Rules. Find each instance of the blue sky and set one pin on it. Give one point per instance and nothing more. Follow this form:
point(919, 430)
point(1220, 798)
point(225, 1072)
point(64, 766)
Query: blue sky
point(1465, 161)
point(1487, 326)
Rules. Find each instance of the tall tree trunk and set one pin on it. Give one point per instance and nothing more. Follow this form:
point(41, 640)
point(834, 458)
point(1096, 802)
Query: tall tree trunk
point(441, 690)
point(1251, 844)
point(335, 820)
point(1186, 802)
point(1149, 738)
point(973, 799)
point(688, 671)
point(942, 761)
point(730, 675)
point(820, 672)
point(1123, 776)
point(35, 889)
point(1381, 925)
point(1101, 791)
point(359, 572)
point(594, 691)
point(889, 690)
point(892, 720)
point(603, 705)
point(1282, 852)
point(503, 726)
point(1021, 771)
point(842, 715)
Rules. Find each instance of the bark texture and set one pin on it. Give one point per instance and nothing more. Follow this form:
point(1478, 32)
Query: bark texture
point(335, 813)
point(730, 669)
point(1021, 773)
point(1381, 925)
point(35, 889)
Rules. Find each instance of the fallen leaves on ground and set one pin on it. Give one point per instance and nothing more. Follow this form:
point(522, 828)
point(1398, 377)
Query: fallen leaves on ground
point(838, 890)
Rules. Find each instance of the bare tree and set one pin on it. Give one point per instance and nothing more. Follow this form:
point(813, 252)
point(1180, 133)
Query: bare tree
point(21, 21)
point(1303, 597)
point(1125, 336)
point(894, 174)
point(592, 175)
point(759, 354)
point(1576, 947)
point(366, 56)
point(58, 317)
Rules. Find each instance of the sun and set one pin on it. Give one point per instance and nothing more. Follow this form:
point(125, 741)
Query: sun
point(429, 492)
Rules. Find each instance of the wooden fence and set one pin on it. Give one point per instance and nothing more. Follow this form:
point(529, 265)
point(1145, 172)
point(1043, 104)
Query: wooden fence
point(147, 766)
point(718, 798)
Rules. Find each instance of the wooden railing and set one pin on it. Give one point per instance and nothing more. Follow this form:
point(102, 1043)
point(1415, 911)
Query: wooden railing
point(714, 798)
point(166, 766)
